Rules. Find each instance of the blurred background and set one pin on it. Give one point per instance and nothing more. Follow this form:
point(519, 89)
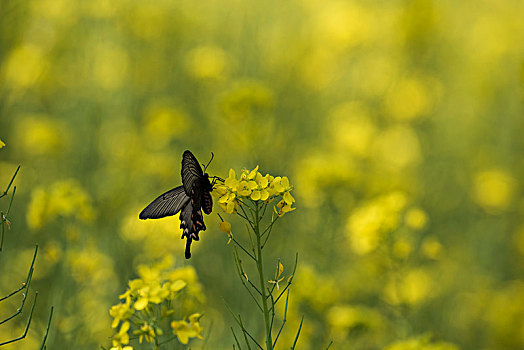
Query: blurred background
point(400, 123)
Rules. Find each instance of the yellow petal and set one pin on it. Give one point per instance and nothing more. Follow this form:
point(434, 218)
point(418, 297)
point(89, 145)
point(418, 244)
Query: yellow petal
point(264, 195)
point(224, 226)
point(230, 208)
point(285, 182)
point(178, 285)
point(2, 144)
point(223, 199)
point(263, 182)
point(277, 183)
point(194, 317)
point(280, 269)
point(232, 174)
point(253, 173)
point(288, 198)
point(141, 304)
point(255, 195)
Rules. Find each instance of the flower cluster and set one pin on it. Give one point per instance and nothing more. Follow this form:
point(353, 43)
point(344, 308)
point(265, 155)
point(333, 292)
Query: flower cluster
point(60, 199)
point(149, 305)
point(254, 186)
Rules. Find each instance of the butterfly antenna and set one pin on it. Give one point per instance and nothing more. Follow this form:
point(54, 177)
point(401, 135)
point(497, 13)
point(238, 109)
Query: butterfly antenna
point(212, 156)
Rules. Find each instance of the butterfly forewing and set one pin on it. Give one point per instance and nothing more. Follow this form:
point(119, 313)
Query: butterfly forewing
point(192, 173)
point(166, 204)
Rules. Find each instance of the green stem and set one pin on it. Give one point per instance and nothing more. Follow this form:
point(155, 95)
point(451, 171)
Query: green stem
point(269, 341)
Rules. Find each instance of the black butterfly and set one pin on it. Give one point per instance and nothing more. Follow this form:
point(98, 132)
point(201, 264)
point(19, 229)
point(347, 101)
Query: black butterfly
point(189, 199)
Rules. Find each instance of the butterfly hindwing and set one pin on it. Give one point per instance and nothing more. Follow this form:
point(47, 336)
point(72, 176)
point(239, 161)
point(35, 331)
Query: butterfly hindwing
point(166, 204)
point(191, 223)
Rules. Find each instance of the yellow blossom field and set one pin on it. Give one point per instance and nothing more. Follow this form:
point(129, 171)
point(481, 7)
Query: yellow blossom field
point(373, 151)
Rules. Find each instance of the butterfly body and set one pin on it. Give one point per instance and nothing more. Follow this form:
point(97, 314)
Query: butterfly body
point(190, 199)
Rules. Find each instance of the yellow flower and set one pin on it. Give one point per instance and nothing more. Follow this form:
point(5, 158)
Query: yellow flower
point(63, 198)
point(259, 187)
point(119, 347)
point(283, 207)
point(244, 188)
point(278, 279)
point(228, 203)
point(185, 330)
point(225, 226)
point(281, 184)
point(231, 181)
point(146, 331)
point(121, 312)
point(121, 338)
point(2, 144)
point(175, 287)
point(153, 293)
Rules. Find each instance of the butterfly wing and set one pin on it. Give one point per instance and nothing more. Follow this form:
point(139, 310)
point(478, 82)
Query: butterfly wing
point(192, 173)
point(191, 222)
point(166, 204)
point(196, 187)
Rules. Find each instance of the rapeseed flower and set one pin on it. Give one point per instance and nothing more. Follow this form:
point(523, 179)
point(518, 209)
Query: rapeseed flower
point(152, 299)
point(252, 185)
point(185, 330)
point(278, 273)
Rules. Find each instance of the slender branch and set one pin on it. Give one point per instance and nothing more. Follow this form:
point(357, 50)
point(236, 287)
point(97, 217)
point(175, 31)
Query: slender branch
point(2, 230)
point(241, 275)
point(2, 216)
point(246, 332)
point(298, 333)
point(270, 227)
point(10, 202)
point(27, 325)
point(27, 283)
point(166, 341)
point(272, 317)
point(251, 241)
point(42, 347)
point(244, 249)
point(14, 292)
point(273, 220)
point(244, 217)
point(263, 212)
point(239, 322)
point(283, 321)
point(236, 340)
point(251, 223)
point(329, 345)
point(244, 203)
point(10, 183)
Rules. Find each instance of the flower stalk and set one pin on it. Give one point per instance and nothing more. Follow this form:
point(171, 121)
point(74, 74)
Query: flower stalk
point(249, 197)
point(260, 268)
